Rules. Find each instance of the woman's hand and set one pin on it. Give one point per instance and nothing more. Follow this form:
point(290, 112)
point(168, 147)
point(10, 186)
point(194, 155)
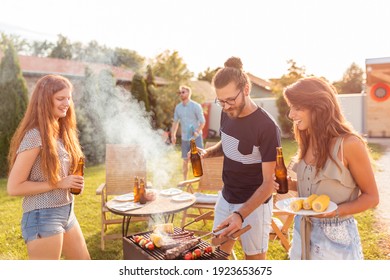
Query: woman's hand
point(71, 181)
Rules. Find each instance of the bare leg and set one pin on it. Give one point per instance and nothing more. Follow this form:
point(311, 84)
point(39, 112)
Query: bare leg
point(48, 248)
point(185, 169)
point(74, 247)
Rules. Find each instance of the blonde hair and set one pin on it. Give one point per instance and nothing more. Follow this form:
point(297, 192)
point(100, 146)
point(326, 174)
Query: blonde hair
point(186, 88)
point(39, 115)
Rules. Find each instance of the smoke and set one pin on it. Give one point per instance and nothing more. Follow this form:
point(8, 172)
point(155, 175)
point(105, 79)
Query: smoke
point(125, 121)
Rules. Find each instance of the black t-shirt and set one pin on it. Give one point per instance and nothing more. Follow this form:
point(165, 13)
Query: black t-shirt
point(246, 143)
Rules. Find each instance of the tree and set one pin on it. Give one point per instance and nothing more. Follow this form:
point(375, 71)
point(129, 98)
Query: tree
point(208, 74)
point(19, 44)
point(352, 81)
point(294, 74)
point(92, 135)
point(139, 91)
point(14, 99)
point(151, 88)
point(127, 59)
point(171, 67)
point(63, 48)
point(41, 48)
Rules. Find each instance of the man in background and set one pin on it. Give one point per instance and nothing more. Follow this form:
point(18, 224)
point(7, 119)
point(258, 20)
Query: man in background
point(190, 116)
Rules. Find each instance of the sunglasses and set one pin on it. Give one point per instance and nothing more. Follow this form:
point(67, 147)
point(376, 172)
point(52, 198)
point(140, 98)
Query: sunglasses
point(181, 92)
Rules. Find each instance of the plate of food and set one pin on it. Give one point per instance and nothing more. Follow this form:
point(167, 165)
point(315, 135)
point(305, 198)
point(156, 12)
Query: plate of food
point(125, 197)
point(171, 191)
point(183, 197)
point(307, 206)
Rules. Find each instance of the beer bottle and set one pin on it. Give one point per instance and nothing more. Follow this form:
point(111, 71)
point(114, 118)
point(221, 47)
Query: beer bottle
point(79, 171)
point(195, 160)
point(136, 189)
point(142, 197)
point(281, 172)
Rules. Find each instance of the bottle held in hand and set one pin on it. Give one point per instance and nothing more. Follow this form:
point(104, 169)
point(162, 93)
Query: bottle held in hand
point(281, 172)
point(196, 161)
point(79, 171)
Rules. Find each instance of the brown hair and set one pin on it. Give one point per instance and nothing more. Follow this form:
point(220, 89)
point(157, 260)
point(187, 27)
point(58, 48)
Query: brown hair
point(39, 114)
point(233, 71)
point(319, 97)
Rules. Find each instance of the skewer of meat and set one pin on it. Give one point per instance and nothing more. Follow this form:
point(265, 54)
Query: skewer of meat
point(181, 235)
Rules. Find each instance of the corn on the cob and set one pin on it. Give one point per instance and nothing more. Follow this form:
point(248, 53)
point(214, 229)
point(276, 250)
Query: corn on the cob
point(321, 203)
point(296, 205)
point(163, 228)
point(156, 239)
point(307, 203)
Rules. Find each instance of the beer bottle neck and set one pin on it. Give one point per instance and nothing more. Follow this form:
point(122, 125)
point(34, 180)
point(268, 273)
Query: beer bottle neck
point(194, 150)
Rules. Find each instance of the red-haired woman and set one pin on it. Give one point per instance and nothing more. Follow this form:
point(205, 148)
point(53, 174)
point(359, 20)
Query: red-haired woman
point(43, 154)
point(334, 160)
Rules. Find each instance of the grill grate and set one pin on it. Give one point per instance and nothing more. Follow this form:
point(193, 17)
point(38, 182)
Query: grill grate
point(132, 251)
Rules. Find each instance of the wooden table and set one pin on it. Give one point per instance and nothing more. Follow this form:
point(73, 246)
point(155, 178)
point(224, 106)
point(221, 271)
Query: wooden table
point(163, 206)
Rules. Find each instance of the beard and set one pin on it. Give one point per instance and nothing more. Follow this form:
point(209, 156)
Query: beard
point(235, 112)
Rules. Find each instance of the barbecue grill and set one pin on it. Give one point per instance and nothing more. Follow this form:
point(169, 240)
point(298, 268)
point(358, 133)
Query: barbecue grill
point(132, 251)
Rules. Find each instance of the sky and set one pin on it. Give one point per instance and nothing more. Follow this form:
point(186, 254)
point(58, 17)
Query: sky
point(324, 36)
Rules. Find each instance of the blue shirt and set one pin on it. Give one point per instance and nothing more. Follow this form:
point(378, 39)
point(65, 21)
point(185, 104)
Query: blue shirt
point(190, 117)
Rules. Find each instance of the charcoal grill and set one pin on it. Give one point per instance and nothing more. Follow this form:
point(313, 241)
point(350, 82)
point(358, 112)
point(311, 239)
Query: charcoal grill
point(132, 251)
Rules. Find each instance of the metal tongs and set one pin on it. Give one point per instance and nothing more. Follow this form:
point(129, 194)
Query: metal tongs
point(218, 241)
point(197, 219)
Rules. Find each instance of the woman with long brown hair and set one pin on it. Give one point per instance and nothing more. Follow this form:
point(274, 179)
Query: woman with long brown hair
point(334, 160)
point(44, 152)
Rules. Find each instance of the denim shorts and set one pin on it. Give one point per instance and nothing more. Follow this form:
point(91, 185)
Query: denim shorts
point(185, 146)
point(255, 240)
point(331, 239)
point(46, 222)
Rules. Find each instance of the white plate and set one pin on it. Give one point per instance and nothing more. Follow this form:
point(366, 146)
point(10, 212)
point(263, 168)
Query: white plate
point(183, 197)
point(125, 197)
point(126, 206)
point(284, 205)
point(171, 191)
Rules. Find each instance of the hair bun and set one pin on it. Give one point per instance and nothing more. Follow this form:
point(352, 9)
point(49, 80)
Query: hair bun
point(234, 62)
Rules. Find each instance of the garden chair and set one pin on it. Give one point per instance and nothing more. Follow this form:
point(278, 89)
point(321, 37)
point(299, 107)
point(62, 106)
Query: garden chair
point(206, 192)
point(123, 163)
point(281, 220)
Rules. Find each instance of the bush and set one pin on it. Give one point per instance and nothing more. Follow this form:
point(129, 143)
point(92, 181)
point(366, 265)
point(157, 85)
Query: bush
point(14, 99)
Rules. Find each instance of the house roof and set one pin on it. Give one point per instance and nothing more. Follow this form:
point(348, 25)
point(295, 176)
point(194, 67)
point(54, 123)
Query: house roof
point(379, 60)
point(259, 82)
point(34, 65)
point(204, 89)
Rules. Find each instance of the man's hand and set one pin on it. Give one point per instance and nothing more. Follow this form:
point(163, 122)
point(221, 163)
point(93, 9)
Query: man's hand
point(232, 224)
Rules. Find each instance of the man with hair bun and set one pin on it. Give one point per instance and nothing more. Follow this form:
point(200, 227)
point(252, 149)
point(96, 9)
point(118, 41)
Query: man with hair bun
point(249, 137)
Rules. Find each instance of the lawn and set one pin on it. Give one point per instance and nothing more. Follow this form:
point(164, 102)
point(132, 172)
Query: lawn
point(87, 207)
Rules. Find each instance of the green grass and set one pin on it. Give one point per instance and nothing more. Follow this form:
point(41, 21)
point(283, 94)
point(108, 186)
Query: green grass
point(375, 240)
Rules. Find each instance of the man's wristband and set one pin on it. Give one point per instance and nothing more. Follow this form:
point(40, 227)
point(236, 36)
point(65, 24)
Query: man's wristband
point(239, 214)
